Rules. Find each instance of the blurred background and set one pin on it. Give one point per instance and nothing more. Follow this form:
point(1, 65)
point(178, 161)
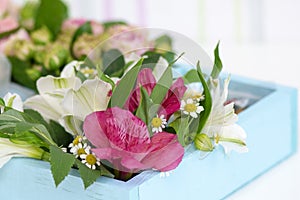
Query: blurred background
point(259, 39)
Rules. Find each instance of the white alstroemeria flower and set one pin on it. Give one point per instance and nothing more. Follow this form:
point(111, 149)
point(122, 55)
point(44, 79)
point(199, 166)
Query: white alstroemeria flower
point(70, 69)
point(52, 91)
point(221, 123)
point(9, 149)
point(13, 101)
point(93, 95)
point(194, 91)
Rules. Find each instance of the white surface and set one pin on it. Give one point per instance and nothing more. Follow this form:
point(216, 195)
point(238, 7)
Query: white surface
point(275, 63)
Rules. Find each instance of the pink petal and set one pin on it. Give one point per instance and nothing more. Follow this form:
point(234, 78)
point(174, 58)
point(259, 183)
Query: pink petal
point(147, 81)
point(8, 24)
point(166, 152)
point(172, 100)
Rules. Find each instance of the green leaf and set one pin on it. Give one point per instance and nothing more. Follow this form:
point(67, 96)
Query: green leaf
point(59, 135)
point(22, 72)
point(105, 172)
point(206, 103)
point(143, 111)
point(51, 13)
point(113, 63)
point(217, 64)
point(191, 77)
point(12, 116)
point(2, 102)
point(88, 175)
point(61, 164)
point(161, 88)
point(85, 28)
point(56, 131)
point(26, 137)
point(113, 23)
point(123, 89)
point(151, 60)
point(181, 126)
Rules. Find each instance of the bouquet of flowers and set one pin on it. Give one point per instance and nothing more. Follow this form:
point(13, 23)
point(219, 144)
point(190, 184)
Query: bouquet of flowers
point(38, 45)
point(117, 117)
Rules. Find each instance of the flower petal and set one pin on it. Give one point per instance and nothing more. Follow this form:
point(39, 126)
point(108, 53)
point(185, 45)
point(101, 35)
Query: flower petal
point(15, 101)
point(166, 152)
point(72, 124)
point(69, 69)
point(91, 96)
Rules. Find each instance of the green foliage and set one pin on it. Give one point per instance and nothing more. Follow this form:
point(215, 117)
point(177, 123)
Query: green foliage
point(5, 34)
point(191, 76)
point(61, 164)
point(88, 175)
point(2, 103)
point(151, 60)
point(206, 103)
point(113, 23)
point(181, 125)
point(217, 64)
point(84, 28)
point(123, 89)
point(23, 73)
point(113, 63)
point(51, 13)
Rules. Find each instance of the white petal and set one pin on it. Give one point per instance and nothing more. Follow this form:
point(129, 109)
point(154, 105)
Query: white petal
point(69, 70)
point(189, 101)
point(16, 101)
point(194, 114)
point(182, 104)
point(50, 111)
point(185, 112)
point(49, 84)
point(199, 109)
point(4, 160)
point(72, 124)
point(91, 96)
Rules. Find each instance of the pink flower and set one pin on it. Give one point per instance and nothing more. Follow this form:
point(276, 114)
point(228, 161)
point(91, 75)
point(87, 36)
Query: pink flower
point(123, 140)
point(73, 24)
point(171, 102)
point(128, 39)
point(8, 24)
point(7, 41)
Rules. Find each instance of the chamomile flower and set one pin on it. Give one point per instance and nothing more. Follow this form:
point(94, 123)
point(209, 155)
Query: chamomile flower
point(80, 149)
point(76, 141)
point(190, 107)
point(90, 160)
point(87, 72)
point(158, 123)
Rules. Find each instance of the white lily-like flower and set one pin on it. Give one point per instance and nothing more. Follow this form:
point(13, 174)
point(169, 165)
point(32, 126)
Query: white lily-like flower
point(13, 101)
point(52, 91)
point(221, 124)
point(93, 95)
point(9, 149)
point(70, 69)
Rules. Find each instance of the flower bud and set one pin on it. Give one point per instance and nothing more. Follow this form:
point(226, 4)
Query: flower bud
point(55, 58)
point(27, 14)
point(203, 142)
point(22, 49)
point(41, 36)
point(85, 44)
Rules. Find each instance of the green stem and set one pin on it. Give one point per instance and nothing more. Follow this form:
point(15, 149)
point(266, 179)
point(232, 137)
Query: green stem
point(45, 156)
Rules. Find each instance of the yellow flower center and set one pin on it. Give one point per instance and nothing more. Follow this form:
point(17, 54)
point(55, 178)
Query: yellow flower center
point(87, 71)
point(81, 151)
point(76, 140)
point(91, 159)
point(156, 122)
point(190, 107)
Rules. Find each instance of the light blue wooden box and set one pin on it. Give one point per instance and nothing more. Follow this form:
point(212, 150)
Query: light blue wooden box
point(271, 125)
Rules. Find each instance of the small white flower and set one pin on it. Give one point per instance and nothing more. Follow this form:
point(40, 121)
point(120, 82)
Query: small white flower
point(165, 174)
point(90, 160)
point(80, 149)
point(190, 107)
point(13, 101)
point(158, 123)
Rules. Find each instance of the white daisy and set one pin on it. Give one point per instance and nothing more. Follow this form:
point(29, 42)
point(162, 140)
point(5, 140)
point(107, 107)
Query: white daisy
point(76, 141)
point(80, 149)
point(190, 107)
point(158, 123)
point(90, 160)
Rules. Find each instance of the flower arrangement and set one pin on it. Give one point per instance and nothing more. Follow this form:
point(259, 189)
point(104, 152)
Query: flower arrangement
point(117, 117)
point(37, 45)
